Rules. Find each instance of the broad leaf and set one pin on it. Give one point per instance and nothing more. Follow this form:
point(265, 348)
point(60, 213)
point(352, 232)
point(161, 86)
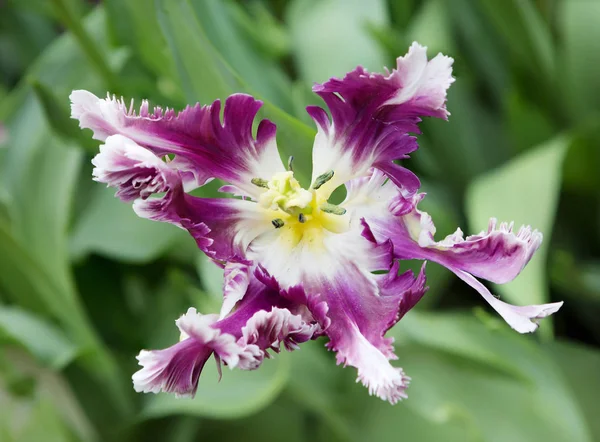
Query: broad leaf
point(43, 340)
point(525, 191)
point(330, 37)
point(111, 228)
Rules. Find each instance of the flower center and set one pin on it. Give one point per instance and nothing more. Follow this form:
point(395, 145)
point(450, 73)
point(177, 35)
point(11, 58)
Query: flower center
point(300, 213)
point(284, 192)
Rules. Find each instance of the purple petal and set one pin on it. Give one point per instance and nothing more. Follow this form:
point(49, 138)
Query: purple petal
point(134, 170)
point(372, 114)
point(222, 227)
point(204, 147)
point(262, 321)
point(522, 319)
point(236, 278)
point(498, 254)
point(177, 368)
point(355, 306)
point(269, 329)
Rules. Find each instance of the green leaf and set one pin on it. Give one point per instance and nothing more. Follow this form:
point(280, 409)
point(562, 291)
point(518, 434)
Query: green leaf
point(49, 412)
point(238, 394)
point(525, 34)
point(210, 275)
point(202, 77)
point(525, 191)
point(110, 227)
point(269, 425)
point(473, 127)
point(431, 28)
point(331, 37)
point(378, 420)
point(457, 364)
point(579, 25)
point(314, 385)
point(135, 23)
point(42, 339)
point(44, 423)
point(580, 366)
point(480, 49)
point(261, 74)
point(529, 126)
point(70, 18)
point(57, 114)
point(205, 75)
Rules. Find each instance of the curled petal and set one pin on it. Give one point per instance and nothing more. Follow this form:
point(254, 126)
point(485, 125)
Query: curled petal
point(268, 330)
point(204, 147)
point(498, 254)
point(421, 84)
point(522, 319)
point(315, 308)
point(372, 114)
point(358, 310)
point(222, 227)
point(133, 170)
point(177, 368)
point(236, 278)
point(374, 370)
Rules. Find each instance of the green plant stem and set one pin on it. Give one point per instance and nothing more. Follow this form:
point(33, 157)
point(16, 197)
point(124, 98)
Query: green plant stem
point(69, 19)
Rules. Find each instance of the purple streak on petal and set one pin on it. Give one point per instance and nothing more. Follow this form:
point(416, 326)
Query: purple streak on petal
point(177, 368)
point(270, 329)
point(222, 227)
point(401, 176)
point(204, 147)
point(372, 114)
point(359, 309)
point(498, 254)
point(263, 320)
point(236, 277)
point(266, 317)
point(316, 310)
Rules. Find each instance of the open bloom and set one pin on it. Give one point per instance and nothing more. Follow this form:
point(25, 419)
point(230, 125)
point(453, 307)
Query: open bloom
point(297, 266)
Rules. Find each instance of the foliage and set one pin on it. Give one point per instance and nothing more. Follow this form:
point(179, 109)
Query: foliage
point(85, 284)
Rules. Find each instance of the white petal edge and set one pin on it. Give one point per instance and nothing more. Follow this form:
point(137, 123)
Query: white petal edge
point(523, 319)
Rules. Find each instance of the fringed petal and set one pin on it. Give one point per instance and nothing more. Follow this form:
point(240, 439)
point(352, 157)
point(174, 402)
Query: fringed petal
point(177, 368)
point(498, 254)
point(204, 146)
point(373, 114)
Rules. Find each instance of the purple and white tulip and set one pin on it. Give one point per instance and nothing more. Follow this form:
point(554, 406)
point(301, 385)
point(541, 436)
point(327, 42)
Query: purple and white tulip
point(296, 266)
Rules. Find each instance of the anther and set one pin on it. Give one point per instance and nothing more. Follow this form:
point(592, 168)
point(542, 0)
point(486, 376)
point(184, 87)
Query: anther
point(322, 179)
point(277, 223)
point(290, 164)
point(333, 209)
point(301, 218)
point(260, 182)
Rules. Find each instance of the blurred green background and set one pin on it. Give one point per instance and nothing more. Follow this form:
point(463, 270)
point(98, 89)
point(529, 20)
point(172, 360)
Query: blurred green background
point(85, 284)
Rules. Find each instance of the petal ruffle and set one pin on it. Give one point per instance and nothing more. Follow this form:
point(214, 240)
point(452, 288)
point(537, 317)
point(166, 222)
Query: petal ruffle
point(222, 227)
point(264, 319)
point(498, 254)
point(358, 310)
point(204, 147)
point(133, 170)
point(236, 278)
point(372, 114)
point(177, 368)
